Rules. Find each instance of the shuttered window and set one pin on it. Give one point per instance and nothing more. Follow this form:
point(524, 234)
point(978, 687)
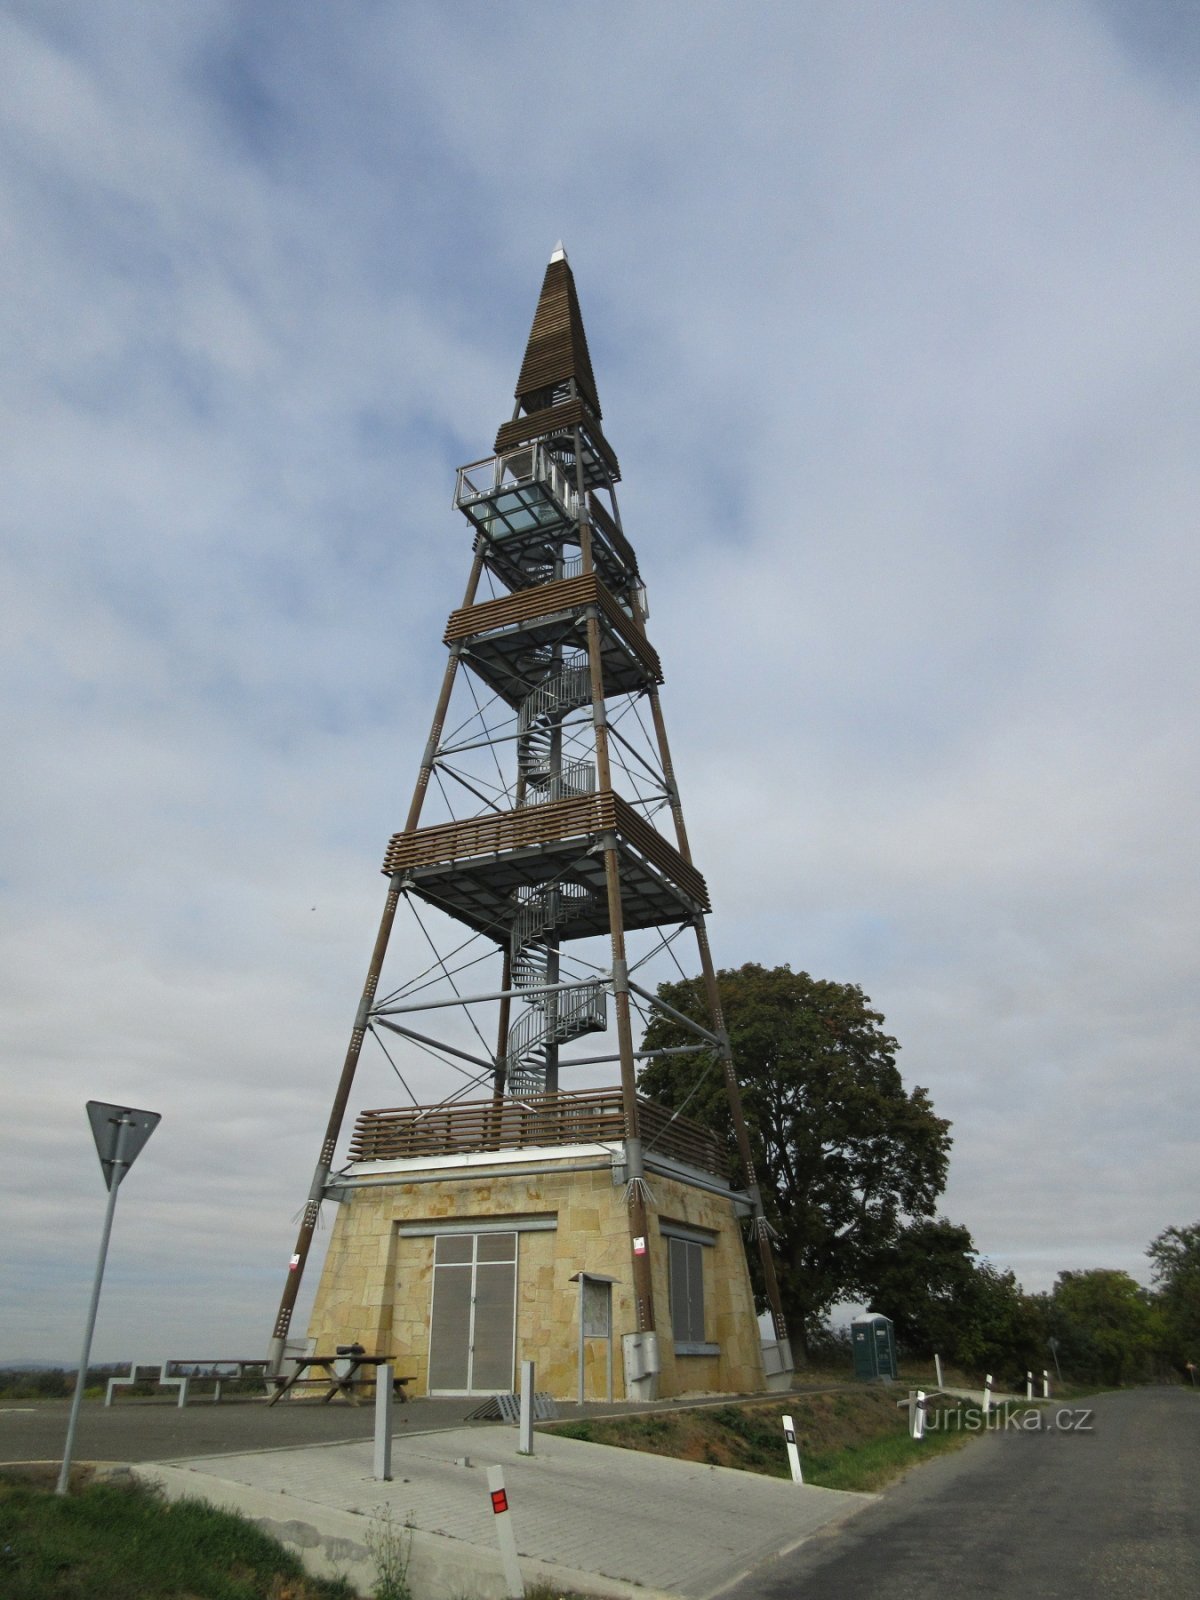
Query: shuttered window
point(686, 1267)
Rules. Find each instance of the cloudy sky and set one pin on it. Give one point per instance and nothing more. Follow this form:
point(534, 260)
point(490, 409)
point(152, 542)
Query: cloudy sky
point(894, 315)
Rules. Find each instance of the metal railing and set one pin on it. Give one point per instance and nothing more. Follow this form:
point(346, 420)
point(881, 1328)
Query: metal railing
point(563, 692)
point(576, 778)
point(543, 907)
point(580, 1116)
point(569, 1013)
point(515, 470)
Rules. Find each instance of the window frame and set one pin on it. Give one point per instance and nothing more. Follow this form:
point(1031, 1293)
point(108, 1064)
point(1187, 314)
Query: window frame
point(686, 1294)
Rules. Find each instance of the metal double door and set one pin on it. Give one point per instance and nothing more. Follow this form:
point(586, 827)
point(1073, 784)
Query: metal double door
point(472, 1322)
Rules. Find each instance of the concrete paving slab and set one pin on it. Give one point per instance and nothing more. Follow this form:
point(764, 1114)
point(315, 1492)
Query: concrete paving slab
point(585, 1515)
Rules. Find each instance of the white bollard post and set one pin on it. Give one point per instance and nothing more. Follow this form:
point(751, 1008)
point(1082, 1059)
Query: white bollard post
point(789, 1435)
point(383, 1423)
point(1029, 1386)
point(1045, 1384)
point(918, 1416)
point(987, 1395)
point(525, 1443)
point(937, 1367)
point(505, 1535)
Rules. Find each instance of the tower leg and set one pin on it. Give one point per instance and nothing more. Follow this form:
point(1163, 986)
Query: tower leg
point(636, 1188)
point(312, 1207)
point(732, 1087)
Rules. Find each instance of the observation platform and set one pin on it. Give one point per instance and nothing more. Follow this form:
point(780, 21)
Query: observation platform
point(525, 510)
point(507, 641)
point(473, 869)
point(580, 1116)
point(556, 424)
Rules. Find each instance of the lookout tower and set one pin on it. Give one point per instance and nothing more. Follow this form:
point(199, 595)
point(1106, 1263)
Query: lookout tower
point(538, 1209)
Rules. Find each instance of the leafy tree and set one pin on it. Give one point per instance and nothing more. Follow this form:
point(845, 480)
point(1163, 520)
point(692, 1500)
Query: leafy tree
point(1108, 1328)
point(40, 1383)
point(1175, 1265)
point(844, 1153)
point(922, 1279)
point(943, 1299)
point(1001, 1329)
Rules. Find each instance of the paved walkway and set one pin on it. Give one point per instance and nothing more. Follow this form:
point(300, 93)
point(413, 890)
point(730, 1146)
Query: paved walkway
point(585, 1516)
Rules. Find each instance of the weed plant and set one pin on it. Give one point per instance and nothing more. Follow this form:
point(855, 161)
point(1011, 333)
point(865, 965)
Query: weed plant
point(390, 1548)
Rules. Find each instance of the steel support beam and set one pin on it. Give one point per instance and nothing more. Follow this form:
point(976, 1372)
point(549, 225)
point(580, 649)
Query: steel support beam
point(637, 1191)
point(337, 1113)
point(732, 1087)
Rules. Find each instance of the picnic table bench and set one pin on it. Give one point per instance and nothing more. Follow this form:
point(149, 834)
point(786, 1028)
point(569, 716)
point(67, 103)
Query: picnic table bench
point(334, 1382)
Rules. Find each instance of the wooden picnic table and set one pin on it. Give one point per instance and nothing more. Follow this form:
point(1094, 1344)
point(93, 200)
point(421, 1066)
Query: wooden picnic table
point(338, 1382)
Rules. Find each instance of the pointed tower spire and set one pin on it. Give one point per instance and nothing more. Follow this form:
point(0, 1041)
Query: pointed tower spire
point(557, 351)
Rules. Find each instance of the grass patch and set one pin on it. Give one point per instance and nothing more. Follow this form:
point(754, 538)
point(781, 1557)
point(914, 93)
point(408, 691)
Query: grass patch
point(872, 1465)
point(123, 1541)
point(854, 1439)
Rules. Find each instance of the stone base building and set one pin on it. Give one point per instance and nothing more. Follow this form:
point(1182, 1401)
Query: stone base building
point(460, 1260)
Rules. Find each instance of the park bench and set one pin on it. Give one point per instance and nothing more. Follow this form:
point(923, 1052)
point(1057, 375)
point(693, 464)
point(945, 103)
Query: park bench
point(158, 1372)
point(179, 1373)
point(221, 1369)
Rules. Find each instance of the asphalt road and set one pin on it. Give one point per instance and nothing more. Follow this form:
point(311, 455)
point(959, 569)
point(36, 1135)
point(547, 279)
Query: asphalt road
point(1110, 1509)
point(156, 1429)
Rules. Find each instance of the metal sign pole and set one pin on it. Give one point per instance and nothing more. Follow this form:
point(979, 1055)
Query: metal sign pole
point(120, 1133)
point(1053, 1343)
point(383, 1422)
point(525, 1447)
point(609, 1342)
point(582, 1281)
point(118, 1162)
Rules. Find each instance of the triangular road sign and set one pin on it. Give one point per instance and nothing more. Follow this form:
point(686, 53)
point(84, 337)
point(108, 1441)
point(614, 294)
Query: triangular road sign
point(108, 1123)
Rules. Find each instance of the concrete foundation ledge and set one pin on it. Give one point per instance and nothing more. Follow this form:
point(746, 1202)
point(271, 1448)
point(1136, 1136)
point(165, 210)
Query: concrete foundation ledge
point(333, 1544)
point(780, 1382)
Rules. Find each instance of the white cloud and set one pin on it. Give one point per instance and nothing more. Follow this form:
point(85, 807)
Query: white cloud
point(893, 318)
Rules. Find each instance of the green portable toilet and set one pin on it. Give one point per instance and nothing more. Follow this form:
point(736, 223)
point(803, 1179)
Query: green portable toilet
point(874, 1347)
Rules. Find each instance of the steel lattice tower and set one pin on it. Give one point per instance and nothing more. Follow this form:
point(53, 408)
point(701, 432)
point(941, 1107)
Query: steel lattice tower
point(552, 856)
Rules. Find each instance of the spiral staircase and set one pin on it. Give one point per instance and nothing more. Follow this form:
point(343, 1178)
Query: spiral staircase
point(554, 1016)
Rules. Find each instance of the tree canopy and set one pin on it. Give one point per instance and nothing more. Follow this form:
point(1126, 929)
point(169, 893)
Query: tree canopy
point(944, 1300)
point(850, 1166)
point(845, 1155)
point(1175, 1266)
point(1107, 1326)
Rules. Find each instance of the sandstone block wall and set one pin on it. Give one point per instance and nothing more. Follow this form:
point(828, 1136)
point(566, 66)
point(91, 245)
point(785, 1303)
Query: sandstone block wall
point(376, 1286)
